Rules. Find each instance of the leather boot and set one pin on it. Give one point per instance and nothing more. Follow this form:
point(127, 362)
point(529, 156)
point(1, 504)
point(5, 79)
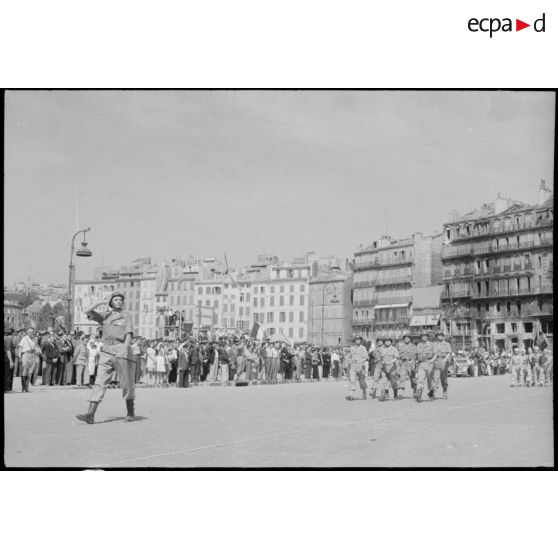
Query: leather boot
point(23, 384)
point(395, 394)
point(418, 395)
point(373, 394)
point(130, 408)
point(89, 417)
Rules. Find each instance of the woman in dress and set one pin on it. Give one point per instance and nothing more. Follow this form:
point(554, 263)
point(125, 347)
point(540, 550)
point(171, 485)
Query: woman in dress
point(151, 362)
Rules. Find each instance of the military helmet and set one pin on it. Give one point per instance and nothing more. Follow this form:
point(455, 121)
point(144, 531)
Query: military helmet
point(114, 295)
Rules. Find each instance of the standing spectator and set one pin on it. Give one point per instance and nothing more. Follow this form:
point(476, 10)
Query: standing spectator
point(69, 369)
point(335, 363)
point(136, 357)
point(315, 363)
point(240, 360)
point(161, 365)
point(80, 359)
point(51, 355)
point(143, 359)
point(9, 359)
point(151, 363)
point(182, 363)
point(223, 362)
point(296, 365)
point(247, 362)
point(172, 356)
point(326, 359)
point(94, 347)
point(28, 350)
point(195, 361)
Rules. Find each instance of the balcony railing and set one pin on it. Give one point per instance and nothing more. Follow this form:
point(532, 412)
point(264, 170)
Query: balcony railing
point(361, 303)
point(504, 230)
point(394, 300)
point(363, 284)
point(376, 263)
point(363, 321)
point(394, 281)
point(449, 252)
point(461, 293)
point(492, 293)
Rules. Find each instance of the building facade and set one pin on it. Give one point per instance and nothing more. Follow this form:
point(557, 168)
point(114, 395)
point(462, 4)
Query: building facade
point(497, 273)
point(330, 310)
point(13, 315)
point(385, 274)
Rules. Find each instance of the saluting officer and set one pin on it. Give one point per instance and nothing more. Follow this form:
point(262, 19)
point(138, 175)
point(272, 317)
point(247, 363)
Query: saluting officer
point(442, 350)
point(408, 359)
point(390, 356)
point(116, 355)
point(377, 366)
point(425, 357)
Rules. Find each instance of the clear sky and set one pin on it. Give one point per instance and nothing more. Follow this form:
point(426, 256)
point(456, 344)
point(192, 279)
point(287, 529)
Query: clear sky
point(172, 173)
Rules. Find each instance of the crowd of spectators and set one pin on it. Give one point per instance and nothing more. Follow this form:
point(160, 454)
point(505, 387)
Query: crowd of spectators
point(58, 358)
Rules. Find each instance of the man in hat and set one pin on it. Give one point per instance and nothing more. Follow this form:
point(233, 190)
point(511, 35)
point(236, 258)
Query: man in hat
point(408, 359)
point(358, 355)
point(376, 378)
point(389, 360)
point(115, 355)
point(425, 358)
point(9, 359)
point(442, 351)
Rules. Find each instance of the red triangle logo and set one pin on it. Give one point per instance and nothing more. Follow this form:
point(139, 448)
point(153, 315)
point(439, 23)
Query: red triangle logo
point(519, 25)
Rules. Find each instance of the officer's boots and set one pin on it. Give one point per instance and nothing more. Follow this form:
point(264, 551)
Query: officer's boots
point(89, 417)
point(418, 395)
point(24, 384)
point(130, 408)
point(395, 398)
point(431, 395)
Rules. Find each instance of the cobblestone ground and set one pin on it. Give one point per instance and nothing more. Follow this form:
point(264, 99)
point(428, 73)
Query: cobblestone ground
point(484, 423)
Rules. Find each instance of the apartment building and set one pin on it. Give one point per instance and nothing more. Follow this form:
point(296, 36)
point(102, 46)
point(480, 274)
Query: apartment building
point(497, 273)
point(384, 275)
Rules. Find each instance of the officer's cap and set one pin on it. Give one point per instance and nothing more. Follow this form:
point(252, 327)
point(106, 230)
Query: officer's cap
point(357, 337)
point(406, 336)
point(439, 333)
point(114, 295)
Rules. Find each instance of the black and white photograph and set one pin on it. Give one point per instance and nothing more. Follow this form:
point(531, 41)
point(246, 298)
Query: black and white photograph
point(278, 278)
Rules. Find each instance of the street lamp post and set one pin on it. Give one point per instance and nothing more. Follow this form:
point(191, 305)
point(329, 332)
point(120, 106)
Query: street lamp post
point(83, 252)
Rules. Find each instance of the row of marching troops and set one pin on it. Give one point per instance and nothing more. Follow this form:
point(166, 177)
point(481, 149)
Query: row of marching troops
point(425, 364)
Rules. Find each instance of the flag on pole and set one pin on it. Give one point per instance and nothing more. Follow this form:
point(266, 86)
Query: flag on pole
point(257, 332)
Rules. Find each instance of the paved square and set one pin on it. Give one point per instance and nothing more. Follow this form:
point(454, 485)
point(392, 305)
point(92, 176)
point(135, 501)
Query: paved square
point(485, 423)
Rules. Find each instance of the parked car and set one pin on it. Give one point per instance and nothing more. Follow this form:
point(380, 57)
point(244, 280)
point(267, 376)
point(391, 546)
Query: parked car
point(462, 365)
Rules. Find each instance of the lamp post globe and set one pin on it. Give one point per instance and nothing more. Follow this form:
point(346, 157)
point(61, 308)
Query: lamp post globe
point(83, 252)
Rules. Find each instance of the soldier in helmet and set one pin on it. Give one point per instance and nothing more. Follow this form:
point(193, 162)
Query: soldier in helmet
point(116, 355)
point(408, 357)
point(425, 358)
point(442, 351)
point(377, 366)
point(358, 355)
point(390, 376)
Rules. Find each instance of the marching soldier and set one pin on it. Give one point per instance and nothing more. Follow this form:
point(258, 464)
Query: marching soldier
point(442, 350)
point(408, 359)
point(377, 366)
point(115, 355)
point(425, 358)
point(358, 355)
point(516, 363)
point(390, 357)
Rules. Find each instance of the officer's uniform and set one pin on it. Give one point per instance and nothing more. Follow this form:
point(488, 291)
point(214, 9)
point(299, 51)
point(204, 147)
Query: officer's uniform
point(425, 353)
point(358, 356)
point(389, 356)
point(440, 370)
point(116, 325)
point(408, 358)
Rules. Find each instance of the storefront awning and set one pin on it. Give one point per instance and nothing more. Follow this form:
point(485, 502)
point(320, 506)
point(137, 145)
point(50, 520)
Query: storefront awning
point(425, 320)
point(379, 306)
